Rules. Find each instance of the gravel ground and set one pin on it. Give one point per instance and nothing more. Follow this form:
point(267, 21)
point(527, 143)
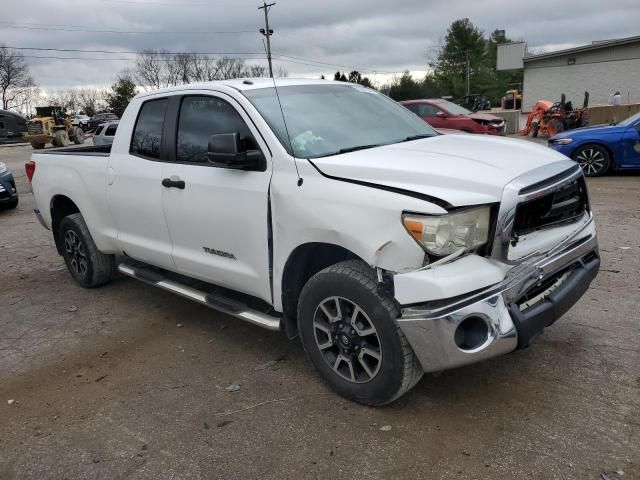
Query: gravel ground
point(128, 382)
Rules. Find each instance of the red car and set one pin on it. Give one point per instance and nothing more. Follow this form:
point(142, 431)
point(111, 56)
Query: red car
point(440, 113)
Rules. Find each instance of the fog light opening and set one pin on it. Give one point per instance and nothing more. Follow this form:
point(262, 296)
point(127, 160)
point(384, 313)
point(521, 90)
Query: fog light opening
point(471, 333)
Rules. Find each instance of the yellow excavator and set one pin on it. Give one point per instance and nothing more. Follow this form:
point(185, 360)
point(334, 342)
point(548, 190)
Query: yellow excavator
point(52, 125)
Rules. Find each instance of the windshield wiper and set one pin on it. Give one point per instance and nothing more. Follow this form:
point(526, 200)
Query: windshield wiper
point(417, 137)
point(358, 147)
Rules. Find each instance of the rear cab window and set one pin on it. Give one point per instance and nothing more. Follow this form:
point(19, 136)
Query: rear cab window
point(147, 133)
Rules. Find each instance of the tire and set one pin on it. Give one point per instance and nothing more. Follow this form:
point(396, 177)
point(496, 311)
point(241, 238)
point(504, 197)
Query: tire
point(88, 266)
point(555, 126)
point(11, 205)
point(535, 129)
point(60, 138)
point(37, 146)
point(78, 136)
point(594, 160)
point(339, 352)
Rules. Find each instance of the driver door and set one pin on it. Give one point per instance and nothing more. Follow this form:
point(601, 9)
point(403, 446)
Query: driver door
point(217, 217)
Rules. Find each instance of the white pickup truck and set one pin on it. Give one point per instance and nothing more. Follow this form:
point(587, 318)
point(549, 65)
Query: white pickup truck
point(328, 211)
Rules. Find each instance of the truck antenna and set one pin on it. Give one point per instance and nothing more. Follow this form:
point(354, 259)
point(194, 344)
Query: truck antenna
point(286, 129)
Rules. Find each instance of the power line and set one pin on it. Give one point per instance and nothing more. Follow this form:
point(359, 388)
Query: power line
point(153, 52)
point(166, 4)
point(78, 28)
point(336, 64)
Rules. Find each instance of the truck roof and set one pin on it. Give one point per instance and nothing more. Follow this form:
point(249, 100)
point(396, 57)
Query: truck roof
point(241, 84)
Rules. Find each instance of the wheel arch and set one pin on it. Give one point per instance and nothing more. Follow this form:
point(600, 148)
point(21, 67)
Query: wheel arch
point(597, 143)
point(60, 207)
point(302, 263)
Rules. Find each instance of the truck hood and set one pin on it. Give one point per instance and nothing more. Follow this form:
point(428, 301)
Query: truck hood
point(459, 169)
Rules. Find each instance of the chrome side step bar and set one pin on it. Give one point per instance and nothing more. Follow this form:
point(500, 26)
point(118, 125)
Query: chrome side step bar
point(217, 302)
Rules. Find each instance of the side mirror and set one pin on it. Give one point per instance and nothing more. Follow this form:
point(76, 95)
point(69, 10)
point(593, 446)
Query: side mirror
point(440, 114)
point(224, 150)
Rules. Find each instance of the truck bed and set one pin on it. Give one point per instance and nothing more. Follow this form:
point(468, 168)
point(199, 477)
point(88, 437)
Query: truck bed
point(89, 150)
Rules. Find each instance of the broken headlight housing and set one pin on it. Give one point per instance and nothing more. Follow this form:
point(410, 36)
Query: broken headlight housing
point(441, 235)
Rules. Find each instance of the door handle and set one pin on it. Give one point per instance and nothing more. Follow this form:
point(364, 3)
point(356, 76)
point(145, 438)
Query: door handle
point(173, 182)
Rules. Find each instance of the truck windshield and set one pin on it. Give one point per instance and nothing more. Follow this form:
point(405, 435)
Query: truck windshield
point(325, 120)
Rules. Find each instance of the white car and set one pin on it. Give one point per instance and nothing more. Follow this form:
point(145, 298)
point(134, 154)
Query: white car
point(105, 133)
point(81, 121)
point(329, 212)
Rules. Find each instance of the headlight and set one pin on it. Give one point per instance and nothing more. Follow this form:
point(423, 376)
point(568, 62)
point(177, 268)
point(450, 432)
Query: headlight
point(561, 141)
point(3, 167)
point(442, 235)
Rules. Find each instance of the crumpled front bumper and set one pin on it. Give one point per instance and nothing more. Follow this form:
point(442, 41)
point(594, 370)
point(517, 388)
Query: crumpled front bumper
point(510, 314)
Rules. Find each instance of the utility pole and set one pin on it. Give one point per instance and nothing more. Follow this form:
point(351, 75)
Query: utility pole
point(267, 32)
point(468, 68)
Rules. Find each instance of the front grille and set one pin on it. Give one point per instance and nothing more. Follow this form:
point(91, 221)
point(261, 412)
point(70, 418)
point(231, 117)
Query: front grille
point(34, 127)
point(565, 205)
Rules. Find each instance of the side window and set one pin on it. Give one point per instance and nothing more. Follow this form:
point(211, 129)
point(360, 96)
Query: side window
point(427, 110)
point(201, 117)
point(111, 130)
point(147, 133)
point(415, 108)
point(99, 130)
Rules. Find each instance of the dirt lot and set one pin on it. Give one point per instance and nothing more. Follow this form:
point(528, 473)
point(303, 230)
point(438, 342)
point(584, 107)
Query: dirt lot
point(128, 382)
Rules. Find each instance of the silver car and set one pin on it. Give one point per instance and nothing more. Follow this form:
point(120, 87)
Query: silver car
point(105, 133)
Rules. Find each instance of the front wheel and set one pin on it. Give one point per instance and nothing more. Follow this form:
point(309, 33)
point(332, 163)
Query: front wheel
point(349, 331)
point(593, 159)
point(88, 266)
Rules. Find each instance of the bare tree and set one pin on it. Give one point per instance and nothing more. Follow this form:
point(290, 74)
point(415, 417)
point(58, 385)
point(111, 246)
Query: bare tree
point(91, 100)
point(15, 79)
point(231, 68)
point(158, 69)
point(257, 71)
point(151, 70)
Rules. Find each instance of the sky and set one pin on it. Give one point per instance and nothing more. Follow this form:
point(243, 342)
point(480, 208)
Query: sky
point(379, 38)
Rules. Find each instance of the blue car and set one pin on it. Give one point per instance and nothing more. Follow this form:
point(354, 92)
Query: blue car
point(601, 148)
point(8, 192)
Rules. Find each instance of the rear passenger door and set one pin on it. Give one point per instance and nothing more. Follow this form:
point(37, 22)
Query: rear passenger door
point(134, 187)
point(217, 218)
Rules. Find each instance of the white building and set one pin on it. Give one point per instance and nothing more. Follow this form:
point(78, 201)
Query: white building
point(600, 68)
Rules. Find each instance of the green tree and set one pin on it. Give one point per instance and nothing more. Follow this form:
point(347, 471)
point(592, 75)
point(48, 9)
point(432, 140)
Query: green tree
point(463, 41)
point(405, 87)
point(354, 77)
point(340, 77)
point(120, 94)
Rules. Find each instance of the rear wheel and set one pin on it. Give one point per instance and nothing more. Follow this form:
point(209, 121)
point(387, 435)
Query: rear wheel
point(349, 331)
point(37, 145)
point(593, 159)
point(88, 266)
point(555, 126)
point(78, 136)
